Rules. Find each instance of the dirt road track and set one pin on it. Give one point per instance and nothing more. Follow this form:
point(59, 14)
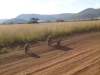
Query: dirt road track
point(79, 55)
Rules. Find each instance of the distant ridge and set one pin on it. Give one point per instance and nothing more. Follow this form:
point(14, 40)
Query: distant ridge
point(44, 17)
point(3, 20)
point(15, 21)
point(84, 14)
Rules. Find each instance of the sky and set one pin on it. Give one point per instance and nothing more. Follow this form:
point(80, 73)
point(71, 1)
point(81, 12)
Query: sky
point(13, 8)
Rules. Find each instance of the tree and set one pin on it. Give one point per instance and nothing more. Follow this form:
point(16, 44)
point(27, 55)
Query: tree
point(33, 20)
point(48, 21)
point(10, 23)
point(59, 20)
point(3, 23)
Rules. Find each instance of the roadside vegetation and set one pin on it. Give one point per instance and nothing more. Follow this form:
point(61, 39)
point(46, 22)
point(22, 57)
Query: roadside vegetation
point(22, 33)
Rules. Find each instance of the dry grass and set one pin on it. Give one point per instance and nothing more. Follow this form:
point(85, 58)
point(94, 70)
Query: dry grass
point(10, 34)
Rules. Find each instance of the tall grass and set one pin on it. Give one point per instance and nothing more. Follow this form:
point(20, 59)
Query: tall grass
point(10, 34)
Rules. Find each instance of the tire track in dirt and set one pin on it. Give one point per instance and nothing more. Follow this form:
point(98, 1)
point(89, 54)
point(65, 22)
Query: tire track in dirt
point(78, 43)
point(53, 60)
point(39, 63)
point(93, 69)
point(69, 58)
point(60, 65)
point(84, 63)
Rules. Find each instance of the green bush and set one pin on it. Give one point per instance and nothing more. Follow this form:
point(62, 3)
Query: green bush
point(59, 20)
point(18, 47)
point(4, 50)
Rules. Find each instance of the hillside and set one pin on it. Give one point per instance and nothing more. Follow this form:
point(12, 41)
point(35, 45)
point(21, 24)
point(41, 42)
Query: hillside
point(44, 17)
point(3, 20)
point(15, 21)
point(85, 14)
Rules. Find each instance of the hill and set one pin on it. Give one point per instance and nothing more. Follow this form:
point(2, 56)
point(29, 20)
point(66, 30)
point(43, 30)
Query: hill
point(44, 17)
point(85, 14)
point(15, 21)
point(3, 20)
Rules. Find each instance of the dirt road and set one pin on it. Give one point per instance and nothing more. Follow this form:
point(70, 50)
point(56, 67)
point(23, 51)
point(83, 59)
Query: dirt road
point(78, 55)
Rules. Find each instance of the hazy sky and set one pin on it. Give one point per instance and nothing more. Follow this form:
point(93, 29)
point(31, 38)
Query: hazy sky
point(13, 8)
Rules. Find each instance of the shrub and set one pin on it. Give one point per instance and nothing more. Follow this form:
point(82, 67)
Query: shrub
point(4, 50)
point(59, 20)
point(18, 47)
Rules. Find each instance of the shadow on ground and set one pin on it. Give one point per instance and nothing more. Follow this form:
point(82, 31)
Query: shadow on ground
point(33, 55)
point(63, 48)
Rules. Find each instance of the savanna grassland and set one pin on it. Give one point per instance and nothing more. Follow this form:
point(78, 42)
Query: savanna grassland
point(22, 33)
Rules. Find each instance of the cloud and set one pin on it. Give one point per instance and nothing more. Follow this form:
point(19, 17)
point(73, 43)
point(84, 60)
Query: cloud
point(47, 7)
point(58, 6)
point(13, 8)
point(97, 5)
point(70, 1)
